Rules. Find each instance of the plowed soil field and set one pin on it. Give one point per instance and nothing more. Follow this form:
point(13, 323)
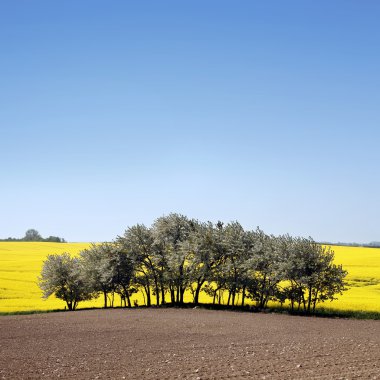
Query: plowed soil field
point(186, 344)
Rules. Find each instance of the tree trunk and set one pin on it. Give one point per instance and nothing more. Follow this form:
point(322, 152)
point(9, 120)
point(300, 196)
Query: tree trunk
point(182, 294)
point(265, 301)
point(128, 298)
point(157, 291)
point(197, 291)
point(233, 296)
point(147, 290)
point(143, 294)
point(162, 295)
point(157, 296)
point(261, 300)
point(243, 296)
point(105, 299)
point(309, 300)
point(315, 301)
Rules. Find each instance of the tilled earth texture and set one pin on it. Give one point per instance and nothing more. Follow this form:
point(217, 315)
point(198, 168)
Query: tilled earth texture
point(186, 344)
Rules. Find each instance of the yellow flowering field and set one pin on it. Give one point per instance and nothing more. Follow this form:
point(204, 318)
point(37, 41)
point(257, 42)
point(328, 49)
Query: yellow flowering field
point(363, 266)
point(20, 266)
point(21, 263)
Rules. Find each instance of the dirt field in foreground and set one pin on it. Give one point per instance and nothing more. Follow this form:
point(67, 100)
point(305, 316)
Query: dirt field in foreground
point(186, 344)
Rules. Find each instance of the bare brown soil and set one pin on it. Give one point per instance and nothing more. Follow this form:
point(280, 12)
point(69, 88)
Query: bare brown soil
point(186, 344)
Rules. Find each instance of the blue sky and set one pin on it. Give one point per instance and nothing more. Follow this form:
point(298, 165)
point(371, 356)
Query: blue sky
point(113, 113)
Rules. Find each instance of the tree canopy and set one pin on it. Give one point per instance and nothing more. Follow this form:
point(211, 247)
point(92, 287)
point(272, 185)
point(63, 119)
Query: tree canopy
point(178, 255)
point(33, 235)
point(63, 276)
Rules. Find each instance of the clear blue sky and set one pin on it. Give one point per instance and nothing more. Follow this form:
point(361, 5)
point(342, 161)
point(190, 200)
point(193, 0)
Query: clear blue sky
point(113, 113)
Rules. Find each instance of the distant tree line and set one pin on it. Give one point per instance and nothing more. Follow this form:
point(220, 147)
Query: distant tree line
point(178, 255)
point(372, 244)
point(34, 235)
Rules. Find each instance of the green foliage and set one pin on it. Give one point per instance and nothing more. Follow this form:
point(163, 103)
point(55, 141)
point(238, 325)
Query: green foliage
point(138, 242)
point(62, 276)
point(98, 268)
point(311, 274)
point(34, 236)
point(178, 254)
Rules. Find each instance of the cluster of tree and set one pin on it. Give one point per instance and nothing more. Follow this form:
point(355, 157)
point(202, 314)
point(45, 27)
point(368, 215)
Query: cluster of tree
point(34, 235)
point(177, 255)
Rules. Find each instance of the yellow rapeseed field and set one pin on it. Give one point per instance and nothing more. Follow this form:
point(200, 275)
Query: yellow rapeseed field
point(20, 266)
point(363, 266)
point(21, 263)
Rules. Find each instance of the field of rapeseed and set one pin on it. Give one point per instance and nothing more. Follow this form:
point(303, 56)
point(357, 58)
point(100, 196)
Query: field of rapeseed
point(363, 266)
point(20, 265)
